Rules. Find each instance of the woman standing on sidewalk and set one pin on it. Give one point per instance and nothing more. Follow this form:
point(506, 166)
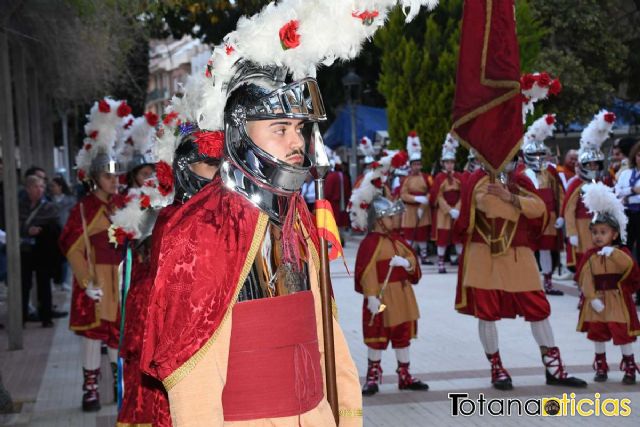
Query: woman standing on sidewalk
point(94, 260)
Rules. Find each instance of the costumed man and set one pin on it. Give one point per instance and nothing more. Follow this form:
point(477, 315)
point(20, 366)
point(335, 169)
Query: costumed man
point(338, 191)
point(386, 269)
point(472, 163)
point(498, 277)
point(445, 198)
point(229, 313)
point(144, 399)
point(608, 276)
point(550, 188)
point(414, 191)
point(567, 170)
point(365, 149)
point(590, 168)
point(94, 261)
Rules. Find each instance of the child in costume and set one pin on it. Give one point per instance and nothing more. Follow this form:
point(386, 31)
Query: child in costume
point(608, 276)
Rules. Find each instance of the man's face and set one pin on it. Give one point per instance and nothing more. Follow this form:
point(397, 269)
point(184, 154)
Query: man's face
point(282, 138)
point(448, 165)
point(616, 156)
point(35, 190)
point(571, 159)
point(416, 167)
point(204, 169)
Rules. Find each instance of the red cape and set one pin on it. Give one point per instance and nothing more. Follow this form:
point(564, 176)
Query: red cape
point(204, 249)
point(437, 182)
point(73, 228)
point(574, 185)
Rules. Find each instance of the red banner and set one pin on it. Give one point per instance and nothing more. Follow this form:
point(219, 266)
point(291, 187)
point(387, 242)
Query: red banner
point(487, 110)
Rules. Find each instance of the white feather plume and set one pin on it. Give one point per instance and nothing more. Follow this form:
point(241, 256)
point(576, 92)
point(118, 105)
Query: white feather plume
point(541, 129)
point(449, 147)
point(597, 131)
point(365, 147)
point(600, 199)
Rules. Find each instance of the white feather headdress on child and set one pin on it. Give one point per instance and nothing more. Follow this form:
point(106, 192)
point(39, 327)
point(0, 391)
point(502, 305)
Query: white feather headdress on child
point(449, 148)
point(605, 207)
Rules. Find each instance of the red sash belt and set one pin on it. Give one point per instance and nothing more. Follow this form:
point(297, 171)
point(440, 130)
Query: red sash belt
point(606, 282)
point(451, 197)
point(105, 252)
point(274, 360)
point(397, 274)
point(549, 198)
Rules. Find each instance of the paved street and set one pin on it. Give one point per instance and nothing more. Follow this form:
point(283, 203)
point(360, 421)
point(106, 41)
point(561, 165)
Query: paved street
point(45, 378)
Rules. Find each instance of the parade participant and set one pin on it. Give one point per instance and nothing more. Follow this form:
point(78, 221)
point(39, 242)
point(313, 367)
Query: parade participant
point(414, 191)
point(498, 277)
point(365, 149)
point(608, 276)
point(84, 240)
point(386, 269)
point(567, 170)
point(472, 163)
point(231, 315)
point(550, 188)
point(136, 150)
point(338, 191)
point(445, 197)
point(590, 168)
point(144, 399)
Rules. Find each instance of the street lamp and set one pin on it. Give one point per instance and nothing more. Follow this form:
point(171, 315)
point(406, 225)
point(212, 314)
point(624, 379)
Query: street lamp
point(351, 83)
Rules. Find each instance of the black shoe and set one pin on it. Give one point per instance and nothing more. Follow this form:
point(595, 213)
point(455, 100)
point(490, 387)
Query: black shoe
point(58, 314)
point(454, 262)
point(91, 405)
point(47, 324)
point(552, 291)
point(629, 380)
point(600, 378)
point(567, 381)
point(416, 385)
point(370, 389)
point(504, 384)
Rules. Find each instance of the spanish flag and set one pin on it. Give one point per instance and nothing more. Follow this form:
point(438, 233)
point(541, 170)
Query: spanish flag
point(327, 228)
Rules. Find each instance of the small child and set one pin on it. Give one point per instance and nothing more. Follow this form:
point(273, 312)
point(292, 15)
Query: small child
point(608, 275)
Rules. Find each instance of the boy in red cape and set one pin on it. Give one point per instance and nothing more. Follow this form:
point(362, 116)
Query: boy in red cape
point(608, 276)
point(498, 277)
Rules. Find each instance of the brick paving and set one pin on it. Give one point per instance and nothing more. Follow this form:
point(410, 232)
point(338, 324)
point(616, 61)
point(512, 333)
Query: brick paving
point(46, 376)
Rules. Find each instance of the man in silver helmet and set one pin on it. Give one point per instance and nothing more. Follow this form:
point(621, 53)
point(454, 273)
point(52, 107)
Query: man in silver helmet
point(386, 269)
point(236, 332)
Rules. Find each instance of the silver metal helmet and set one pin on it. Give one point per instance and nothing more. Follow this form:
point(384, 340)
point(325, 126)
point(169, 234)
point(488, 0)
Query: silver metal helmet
point(534, 153)
point(586, 156)
point(381, 207)
point(261, 93)
point(138, 160)
point(104, 162)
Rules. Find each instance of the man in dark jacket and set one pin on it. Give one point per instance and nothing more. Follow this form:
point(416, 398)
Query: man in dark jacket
point(39, 232)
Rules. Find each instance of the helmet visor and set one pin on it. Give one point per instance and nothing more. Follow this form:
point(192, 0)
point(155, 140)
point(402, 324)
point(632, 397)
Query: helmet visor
point(298, 100)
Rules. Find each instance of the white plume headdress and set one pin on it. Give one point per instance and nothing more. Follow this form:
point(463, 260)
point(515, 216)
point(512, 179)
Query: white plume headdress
point(414, 147)
point(597, 131)
point(603, 204)
point(449, 148)
point(536, 87)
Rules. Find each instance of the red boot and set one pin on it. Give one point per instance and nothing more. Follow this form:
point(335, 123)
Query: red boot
point(555, 371)
point(374, 377)
point(408, 382)
point(500, 378)
point(628, 365)
point(601, 367)
point(91, 396)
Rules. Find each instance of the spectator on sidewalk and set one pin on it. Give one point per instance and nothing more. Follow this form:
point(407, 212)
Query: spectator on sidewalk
point(39, 231)
point(61, 196)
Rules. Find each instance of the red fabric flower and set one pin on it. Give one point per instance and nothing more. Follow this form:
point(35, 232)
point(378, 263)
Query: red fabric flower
point(364, 205)
point(209, 69)
point(375, 165)
point(550, 119)
point(128, 124)
point(527, 81)
point(123, 109)
point(81, 174)
point(555, 87)
point(87, 147)
point(609, 117)
point(129, 141)
point(289, 37)
point(363, 141)
point(122, 236)
point(165, 178)
point(367, 17)
point(413, 133)
point(152, 118)
point(120, 201)
point(210, 144)
point(377, 182)
point(145, 201)
point(228, 49)
point(400, 159)
point(93, 134)
point(168, 118)
point(544, 79)
point(103, 106)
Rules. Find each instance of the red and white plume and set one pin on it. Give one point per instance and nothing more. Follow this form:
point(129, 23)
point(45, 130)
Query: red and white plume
point(600, 199)
point(597, 131)
point(414, 147)
point(541, 129)
point(104, 121)
point(536, 87)
point(365, 148)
